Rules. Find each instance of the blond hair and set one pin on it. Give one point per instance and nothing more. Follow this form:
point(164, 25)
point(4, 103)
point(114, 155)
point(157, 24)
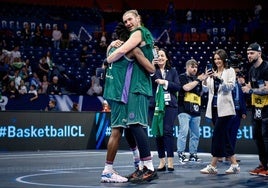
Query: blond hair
point(134, 12)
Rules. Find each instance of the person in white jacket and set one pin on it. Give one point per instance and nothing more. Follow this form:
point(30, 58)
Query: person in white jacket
point(220, 108)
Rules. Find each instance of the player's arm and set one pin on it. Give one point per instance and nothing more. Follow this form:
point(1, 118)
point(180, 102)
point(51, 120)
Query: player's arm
point(133, 41)
point(142, 60)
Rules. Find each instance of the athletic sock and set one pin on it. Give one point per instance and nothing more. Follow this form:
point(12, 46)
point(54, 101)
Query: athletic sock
point(136, 157)
point(149, 165)
point(108, 167)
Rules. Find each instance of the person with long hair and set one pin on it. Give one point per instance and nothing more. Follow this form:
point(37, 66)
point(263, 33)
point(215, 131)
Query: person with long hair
point(167, 77)
point(221, 109)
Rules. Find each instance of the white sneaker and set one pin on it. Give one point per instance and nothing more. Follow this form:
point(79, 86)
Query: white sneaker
point(112, 177)
point(209, 169)
point(234, 169)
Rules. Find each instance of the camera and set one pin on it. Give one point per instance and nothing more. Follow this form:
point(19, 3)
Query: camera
point(236, 61)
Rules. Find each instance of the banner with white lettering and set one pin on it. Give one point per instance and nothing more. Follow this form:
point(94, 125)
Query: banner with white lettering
point(41, 130)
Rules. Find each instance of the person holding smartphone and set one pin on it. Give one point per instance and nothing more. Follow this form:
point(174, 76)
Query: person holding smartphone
point(165, 76)
point(221, 109)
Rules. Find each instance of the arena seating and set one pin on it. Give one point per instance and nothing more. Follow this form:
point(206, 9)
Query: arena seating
point(196, 43)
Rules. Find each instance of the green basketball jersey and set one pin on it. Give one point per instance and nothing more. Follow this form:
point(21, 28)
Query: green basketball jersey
point(141, 81)
point(115, 78)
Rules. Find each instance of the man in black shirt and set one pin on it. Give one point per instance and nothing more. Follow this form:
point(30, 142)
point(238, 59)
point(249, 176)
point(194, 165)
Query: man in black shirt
point(189, 110)
point(258, 88)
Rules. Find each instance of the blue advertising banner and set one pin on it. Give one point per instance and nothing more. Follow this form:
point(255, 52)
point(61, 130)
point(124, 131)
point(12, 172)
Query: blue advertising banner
point(41, 130)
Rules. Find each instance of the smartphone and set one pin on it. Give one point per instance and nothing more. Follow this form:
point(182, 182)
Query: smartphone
point(209, 67)
point(155, 53)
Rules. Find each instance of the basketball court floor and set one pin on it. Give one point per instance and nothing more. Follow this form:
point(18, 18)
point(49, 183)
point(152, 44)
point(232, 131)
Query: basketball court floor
point(82, 169)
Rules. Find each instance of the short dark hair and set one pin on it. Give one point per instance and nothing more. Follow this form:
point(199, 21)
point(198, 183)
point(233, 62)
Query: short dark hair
point(122, 32)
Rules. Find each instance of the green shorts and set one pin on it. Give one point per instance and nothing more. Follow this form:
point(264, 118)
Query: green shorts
point(138, 107)
point(118, 114)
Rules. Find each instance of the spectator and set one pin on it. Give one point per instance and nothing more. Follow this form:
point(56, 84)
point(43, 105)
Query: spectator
point(114, 36)
point(165, 77)
point(95, 88)
point(28, 66)
point(52, 106)
point(220, 108)
point(26, 34)
point(105, 106)
point(75, 107)
point(43, 67)
point(34, 80)
point(12, 91)
point(47, 35)
point(56, 37)
point(258, 10)
point(239, 99)
point(189, 111)
point(22, 88)
point(66, 35)
point(51, 64)
point(84, 56)
point(44, 84)
point(15, 55)
point(54, 88)
point(24, 74)
point(38, 36)
point(5, 80)
point(103, 41)
point(257, 88)
point(171, 11)
point(17, 78)
point(188, 20)
point(33, 92)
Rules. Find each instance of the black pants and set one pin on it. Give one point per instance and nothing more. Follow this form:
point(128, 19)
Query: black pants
point(260, 137)
point(221, 137)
